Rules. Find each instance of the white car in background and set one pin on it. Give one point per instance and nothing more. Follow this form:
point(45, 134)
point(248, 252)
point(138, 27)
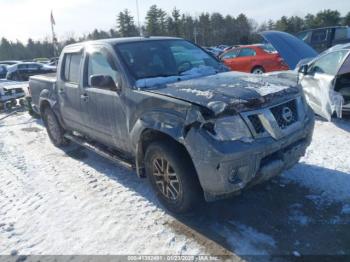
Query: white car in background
point(325, 77)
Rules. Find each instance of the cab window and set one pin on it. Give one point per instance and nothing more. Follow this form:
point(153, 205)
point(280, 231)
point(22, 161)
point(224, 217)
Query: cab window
point(99, 64)
point(71, 67)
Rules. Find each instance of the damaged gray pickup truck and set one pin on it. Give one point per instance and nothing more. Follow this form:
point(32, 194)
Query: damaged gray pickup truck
point(168, 109)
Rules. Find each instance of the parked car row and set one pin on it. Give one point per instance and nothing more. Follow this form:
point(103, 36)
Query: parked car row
point(21, 71)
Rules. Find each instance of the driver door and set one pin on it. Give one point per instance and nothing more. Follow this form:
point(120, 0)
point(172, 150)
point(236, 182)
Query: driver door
point(104, 114)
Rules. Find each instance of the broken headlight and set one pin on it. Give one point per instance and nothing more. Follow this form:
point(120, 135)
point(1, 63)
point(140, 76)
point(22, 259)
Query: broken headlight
point(231, 128)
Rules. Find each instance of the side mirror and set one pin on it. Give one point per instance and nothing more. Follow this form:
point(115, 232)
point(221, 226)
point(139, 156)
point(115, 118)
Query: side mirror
point(104, 82)
point(304, 69)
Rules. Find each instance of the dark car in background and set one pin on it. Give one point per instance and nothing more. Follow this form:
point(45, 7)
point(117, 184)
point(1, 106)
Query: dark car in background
point(22, 71)
point(323, 38)
point(3, 71)
point(10, 62)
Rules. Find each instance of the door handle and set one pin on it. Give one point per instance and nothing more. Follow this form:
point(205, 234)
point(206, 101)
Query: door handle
point(85, 97)
point(61, 91)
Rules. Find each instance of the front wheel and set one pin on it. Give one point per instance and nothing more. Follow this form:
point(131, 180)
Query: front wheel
point(54, 129)
point(172, 176)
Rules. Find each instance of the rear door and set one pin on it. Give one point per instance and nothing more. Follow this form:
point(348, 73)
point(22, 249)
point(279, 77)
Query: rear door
point(69, 90)
point(245, 59)
point(104, 114)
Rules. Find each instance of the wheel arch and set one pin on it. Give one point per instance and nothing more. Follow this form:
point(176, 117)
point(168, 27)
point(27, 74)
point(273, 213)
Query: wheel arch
point(43, 105)
point(257, 66)
point(150, 135)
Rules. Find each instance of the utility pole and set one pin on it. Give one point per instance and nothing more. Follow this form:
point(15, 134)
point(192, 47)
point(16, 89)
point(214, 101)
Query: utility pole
point(195, 33)
point(54, 39)
point(138, 17)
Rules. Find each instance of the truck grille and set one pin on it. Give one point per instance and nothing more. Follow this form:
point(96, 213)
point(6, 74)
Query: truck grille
point(285, 114)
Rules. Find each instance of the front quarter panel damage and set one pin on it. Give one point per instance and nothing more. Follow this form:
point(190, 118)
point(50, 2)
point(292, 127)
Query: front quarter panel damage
point(161, 115)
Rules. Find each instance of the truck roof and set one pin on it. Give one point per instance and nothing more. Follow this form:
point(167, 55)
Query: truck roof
point(113, 41)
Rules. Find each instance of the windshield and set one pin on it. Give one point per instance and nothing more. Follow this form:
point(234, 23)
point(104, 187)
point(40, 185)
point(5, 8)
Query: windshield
point(165, 58)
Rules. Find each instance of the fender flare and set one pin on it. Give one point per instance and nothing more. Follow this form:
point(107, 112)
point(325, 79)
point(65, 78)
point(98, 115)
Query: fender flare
point(47, 97)
point(170, 126)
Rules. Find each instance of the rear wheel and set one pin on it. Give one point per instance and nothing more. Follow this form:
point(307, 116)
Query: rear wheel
point(54, 129)
point(22, 102)
point(172, 176)
point(8, 105)
point(258, 70)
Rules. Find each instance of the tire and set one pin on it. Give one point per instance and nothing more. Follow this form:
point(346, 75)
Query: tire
point(258, 70)
point(22, 102)
point(54, 129)
point(33, 114)
point(173, 177)
point(14, 102)
point(8, 105)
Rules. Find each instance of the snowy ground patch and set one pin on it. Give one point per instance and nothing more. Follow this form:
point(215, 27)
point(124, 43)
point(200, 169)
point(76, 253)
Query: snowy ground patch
point(75, 202)
point(327, 162)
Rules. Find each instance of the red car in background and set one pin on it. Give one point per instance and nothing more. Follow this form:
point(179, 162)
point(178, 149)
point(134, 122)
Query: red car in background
point(256, 59)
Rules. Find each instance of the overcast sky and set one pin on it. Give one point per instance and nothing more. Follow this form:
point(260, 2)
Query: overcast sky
point(21, 19)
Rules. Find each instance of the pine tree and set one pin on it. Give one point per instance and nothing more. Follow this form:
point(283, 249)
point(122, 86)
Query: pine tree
point(347, 19)
point(126, 25)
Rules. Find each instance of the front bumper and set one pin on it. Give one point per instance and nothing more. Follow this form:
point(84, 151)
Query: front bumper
point(225, 168)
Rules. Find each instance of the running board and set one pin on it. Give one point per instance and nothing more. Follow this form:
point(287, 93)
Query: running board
point(100, 151)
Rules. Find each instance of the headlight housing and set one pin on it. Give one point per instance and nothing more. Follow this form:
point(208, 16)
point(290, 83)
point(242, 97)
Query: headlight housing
point(232, 128)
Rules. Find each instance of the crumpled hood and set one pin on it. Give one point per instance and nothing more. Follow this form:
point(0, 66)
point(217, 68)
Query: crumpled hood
point(238, 91)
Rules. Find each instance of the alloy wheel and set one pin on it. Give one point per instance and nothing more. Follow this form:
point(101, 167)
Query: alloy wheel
point(166, 179)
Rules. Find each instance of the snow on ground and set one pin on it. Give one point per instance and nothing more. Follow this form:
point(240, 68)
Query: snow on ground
point(329, 158)
point(75, 202)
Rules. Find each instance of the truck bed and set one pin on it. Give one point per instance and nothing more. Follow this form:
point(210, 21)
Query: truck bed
point(37, 84)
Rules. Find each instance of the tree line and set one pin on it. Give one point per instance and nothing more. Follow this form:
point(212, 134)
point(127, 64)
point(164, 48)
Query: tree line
point(207, 29)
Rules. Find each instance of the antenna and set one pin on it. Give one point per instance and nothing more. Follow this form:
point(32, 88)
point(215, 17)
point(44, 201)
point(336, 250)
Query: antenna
point(138, 17)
